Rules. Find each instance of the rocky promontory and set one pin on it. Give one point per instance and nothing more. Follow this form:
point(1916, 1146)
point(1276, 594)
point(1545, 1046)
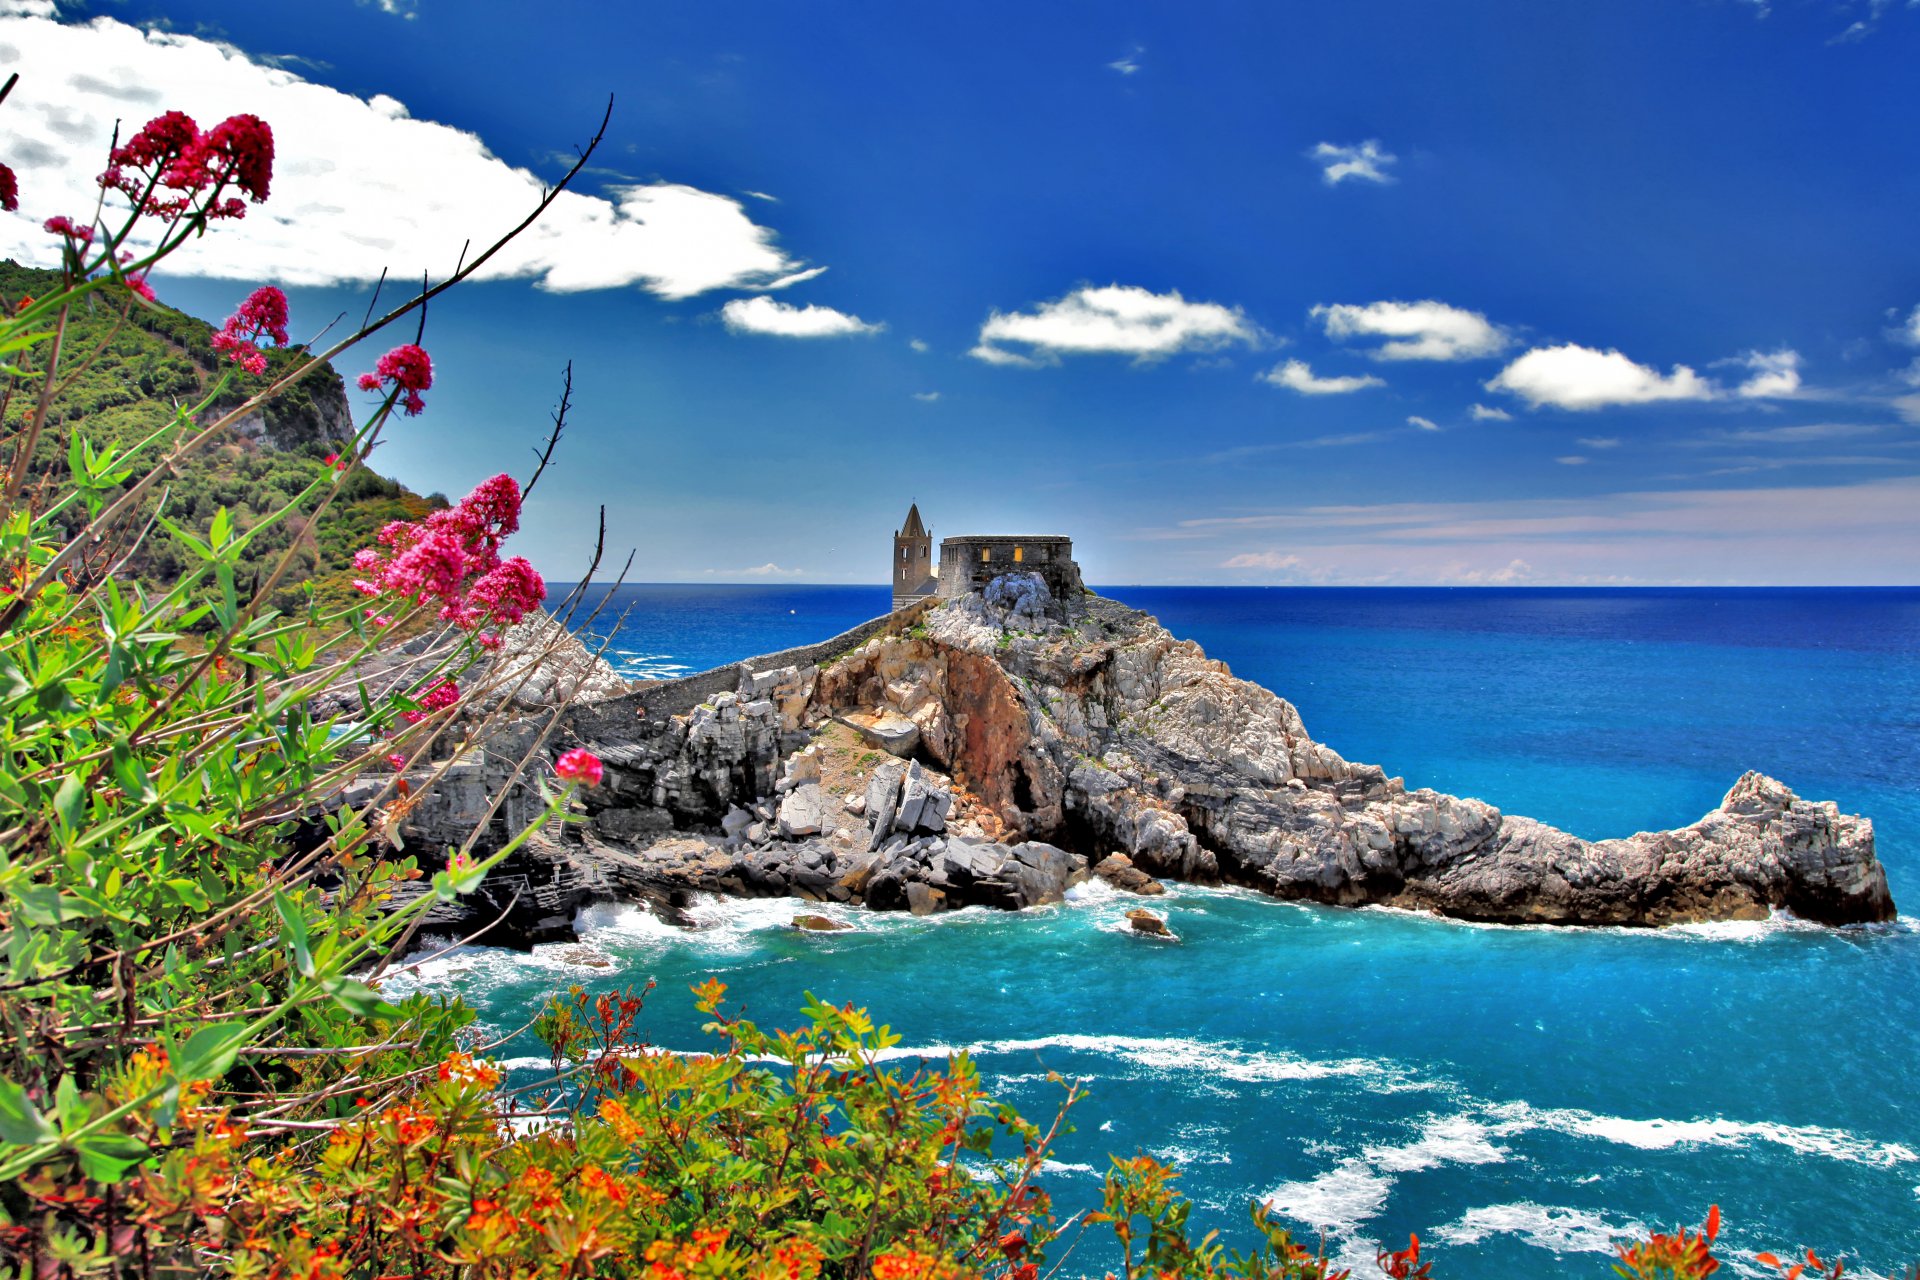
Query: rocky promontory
point(962, 752)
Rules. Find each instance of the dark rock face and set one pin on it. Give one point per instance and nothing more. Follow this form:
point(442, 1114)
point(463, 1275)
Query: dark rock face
point(1040, 741)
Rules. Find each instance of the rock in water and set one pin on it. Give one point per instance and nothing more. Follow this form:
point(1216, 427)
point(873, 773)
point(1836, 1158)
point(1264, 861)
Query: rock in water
point(1144, 921)
point(818, 924)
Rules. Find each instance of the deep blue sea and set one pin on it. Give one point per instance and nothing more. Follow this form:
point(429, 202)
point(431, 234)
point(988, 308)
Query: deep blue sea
point(1519, 1097)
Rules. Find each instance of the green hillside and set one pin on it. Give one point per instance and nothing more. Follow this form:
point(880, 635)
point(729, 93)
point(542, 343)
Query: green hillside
point(160, 357)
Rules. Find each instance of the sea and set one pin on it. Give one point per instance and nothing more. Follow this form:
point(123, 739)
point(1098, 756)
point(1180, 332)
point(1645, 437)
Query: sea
point(1521, 1097)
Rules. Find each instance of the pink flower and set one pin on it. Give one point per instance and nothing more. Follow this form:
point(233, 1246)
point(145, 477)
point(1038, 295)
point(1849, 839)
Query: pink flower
point(62, 225)
point(163, 138)
point(444, 694)
point(406, 368)
point(140, 286)
point(509, 593)
point(580, 765)
point(488, 640)
point(397, 760)
point(413, 717)
point(262, 315)
point(242, 148)
point(9, 189)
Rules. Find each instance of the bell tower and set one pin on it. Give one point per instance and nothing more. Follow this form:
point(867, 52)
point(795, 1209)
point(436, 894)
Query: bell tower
point(913, 575)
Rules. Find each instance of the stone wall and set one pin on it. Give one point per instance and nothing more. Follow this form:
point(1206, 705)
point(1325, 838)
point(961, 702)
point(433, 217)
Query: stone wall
point(662, 698)
point(968, 564)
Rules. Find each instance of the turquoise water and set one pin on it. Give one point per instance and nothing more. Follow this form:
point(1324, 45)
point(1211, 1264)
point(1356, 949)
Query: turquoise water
point(1519, 1097)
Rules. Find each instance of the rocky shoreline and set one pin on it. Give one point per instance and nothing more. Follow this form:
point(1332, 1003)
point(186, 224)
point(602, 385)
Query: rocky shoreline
point(958, 753)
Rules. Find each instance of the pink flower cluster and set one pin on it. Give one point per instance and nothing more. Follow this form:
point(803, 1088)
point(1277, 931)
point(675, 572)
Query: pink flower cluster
point(444, 694)
point(9, 189)
point(171, 153)
point(62, 225)
point(579, 765)
point(453, 557)
point(407, 368)
point(262, 315)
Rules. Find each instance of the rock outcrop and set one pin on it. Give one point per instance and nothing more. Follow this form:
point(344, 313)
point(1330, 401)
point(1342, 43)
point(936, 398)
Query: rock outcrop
point(1046, 739)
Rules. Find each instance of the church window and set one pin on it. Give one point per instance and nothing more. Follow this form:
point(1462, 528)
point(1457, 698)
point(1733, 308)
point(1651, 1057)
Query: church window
point(1018, 555)
point(986, 554)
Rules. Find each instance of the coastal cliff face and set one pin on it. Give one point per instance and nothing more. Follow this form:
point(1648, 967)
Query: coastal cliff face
point(972, 753)
point(1097, 729)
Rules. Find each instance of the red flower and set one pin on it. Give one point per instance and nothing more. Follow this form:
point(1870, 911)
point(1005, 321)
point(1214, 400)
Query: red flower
point(262, 315)
point(580, 765)
point(162, 139)
point(62, 225)
point(242, 148)
point(9, 189)
point(407, 368)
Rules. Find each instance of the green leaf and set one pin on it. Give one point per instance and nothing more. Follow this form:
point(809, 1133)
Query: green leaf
point(20, 1121)
point(109, 1157)
point(295, 926)
point(358, 998)
point(209, 1052)
point(70, 801)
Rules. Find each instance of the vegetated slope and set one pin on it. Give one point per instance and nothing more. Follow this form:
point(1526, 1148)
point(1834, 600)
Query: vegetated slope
point(128, 378)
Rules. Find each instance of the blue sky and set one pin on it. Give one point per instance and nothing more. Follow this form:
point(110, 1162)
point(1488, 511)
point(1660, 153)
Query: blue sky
point(1395, 292)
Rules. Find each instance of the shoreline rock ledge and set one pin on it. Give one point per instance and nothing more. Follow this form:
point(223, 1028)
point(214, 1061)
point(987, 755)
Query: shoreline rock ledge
point(1049, 741)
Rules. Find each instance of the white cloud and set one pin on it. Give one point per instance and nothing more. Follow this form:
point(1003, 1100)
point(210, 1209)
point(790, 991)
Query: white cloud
point(783, 320)
point(1115, 320)
point(919, 346)
point(359, 185)
point(760, 195)
point(1910, 332)
point(1272, 561)
point(408, 9)
point(1426, 330)
point(767, 570)
point(1576, 377)
point(1514, 571)
point(1425, 424)
point(1908, 407)
point(1571, 460)
point(1775, 374)
point(926, 397)
point(1366, 161)
point(1482, 413)
point(1599, 442)
point(1297, 375)
point(1131, 63)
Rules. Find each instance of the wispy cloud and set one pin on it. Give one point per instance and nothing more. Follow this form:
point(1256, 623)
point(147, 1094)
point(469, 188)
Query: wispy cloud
point(1269, 561)
point(1129, 64)
point(668, 238)
point(1485, 413)
point(1572, 460)
point(1425, 424)
point(1426, 330)
point(1599, 442)
point(1111, 319)
point(767, 570)
point(408, 9)
point(1862, 533)
point(926, 397)
point(1298, 375)
point(1360, 162)
point(782, 320)
point(919, 346)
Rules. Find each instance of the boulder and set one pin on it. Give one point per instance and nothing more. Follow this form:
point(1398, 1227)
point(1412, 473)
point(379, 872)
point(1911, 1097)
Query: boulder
point(1117, 869)
point(924, 804)
point(890, 731)
point(883, 800)
point(818, 924)
point(804, 811)
point(923, 899)
point(1145, 922)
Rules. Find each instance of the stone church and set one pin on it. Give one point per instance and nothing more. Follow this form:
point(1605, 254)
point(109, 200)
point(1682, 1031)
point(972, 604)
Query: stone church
point(969, 562)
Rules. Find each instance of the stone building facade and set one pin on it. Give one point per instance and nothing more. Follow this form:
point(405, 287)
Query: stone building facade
point(969, 563)
point(914, 577)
